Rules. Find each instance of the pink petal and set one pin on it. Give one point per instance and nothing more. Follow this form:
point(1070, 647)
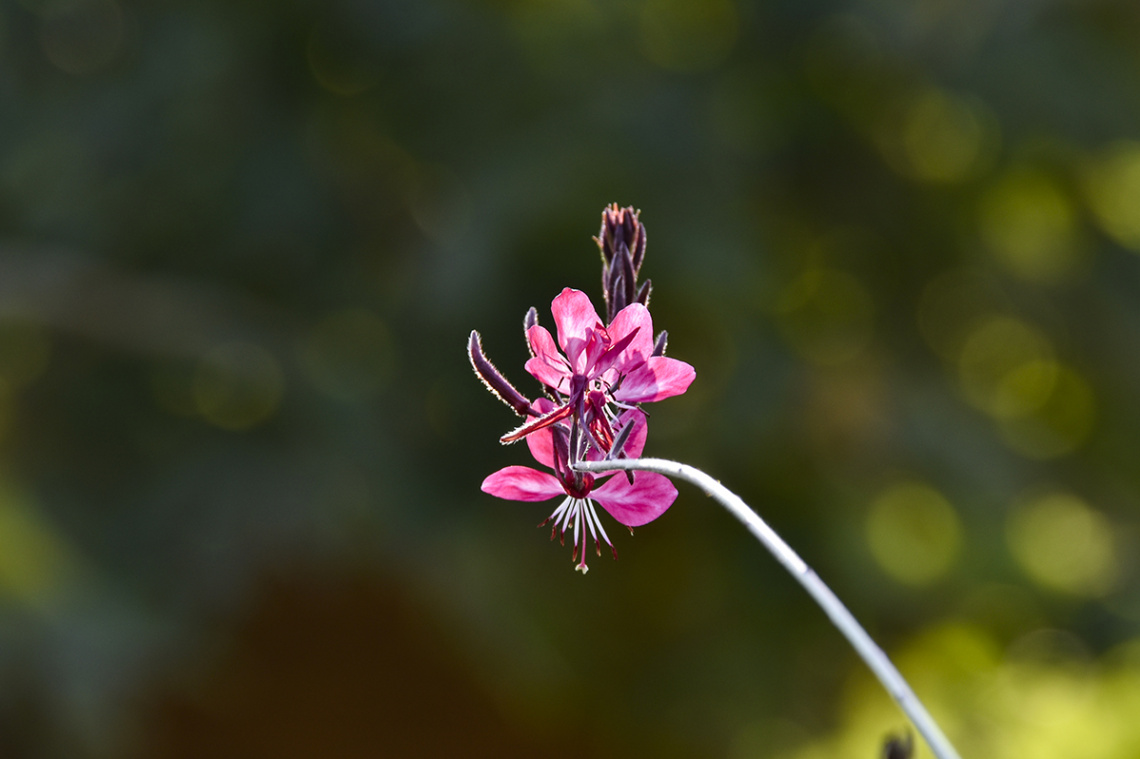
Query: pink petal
point(616, 359)
point(649, 496)
point(541, 370)
point(521, 483)
point(657, 379)
point(636, 442)
point(634, 318)
point(547, 365)
point(541, 443)
point(596, 347)
point(576, 319)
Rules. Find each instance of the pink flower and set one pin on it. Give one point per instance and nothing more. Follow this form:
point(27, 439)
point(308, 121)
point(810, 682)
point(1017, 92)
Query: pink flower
point(632, 501)
point(598, 366)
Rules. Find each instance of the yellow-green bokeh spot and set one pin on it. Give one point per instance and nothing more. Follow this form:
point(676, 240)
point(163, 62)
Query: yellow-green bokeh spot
point(1113, 187)
point(1059, 424)
point(1030, 224)
point(1052, 704)
point(35, 562)
point(826, 315)
point(683, 35)
point(238, 386)
point(1063, 544)
point(913, 533)
point(348, 355)
point(939, 137)
point(1006, 368)
point(948, 665)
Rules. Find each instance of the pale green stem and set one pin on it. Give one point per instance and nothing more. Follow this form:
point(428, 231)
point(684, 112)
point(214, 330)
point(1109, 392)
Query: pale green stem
point(866, 648)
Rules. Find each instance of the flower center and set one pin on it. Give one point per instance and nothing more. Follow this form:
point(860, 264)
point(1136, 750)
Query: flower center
point(578, 484)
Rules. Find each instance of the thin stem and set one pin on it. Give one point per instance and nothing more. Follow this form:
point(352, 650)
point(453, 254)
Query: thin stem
point(842, 618)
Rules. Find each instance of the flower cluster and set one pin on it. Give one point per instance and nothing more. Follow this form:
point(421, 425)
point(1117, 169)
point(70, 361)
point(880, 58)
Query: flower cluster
point(594, 376)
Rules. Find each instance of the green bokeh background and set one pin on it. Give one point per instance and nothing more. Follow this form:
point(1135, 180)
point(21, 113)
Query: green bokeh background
point(242, 244)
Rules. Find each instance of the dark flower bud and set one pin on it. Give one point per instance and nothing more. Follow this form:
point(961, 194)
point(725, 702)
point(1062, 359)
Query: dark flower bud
point(493, 379)
point(643, 293)
point(615, 295)
point(622, 244)
point(530, 320)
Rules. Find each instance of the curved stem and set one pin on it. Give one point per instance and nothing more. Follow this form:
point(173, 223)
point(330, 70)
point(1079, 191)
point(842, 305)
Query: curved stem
point(842, 618)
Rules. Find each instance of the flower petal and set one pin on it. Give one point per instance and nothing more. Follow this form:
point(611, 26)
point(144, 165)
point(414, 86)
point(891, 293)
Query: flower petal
point(634, 318)
point(649, 496)
point(616, 355)
point(636, 442)
point(521, 483)
point(657, 379)
point(576, 319)
point(547, 365)
point(541, 443)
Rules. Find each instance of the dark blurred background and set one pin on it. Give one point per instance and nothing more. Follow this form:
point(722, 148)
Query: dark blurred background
point(242, 244)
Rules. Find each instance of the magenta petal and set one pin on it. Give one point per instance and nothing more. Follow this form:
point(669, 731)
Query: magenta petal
point(547, 366)
point(636, 442)
point(521, 483)
point(595, 349)
point(541, 443)
point(576, 319)
point(649, 496)
point(541, 343)
point(657, 379)
point(634, 318)
point(555, 376)
point(616, 355)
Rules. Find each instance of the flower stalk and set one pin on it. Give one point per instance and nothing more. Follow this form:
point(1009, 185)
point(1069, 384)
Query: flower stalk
point(589, 426)
point(840, 616)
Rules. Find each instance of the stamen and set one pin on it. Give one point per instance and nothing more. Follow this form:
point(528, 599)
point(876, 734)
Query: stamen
point(570, 511)
point(554, 516)
point(577, 525)
point(591, 517)
point(591, 441)
point(601, 432)
point(602, 530)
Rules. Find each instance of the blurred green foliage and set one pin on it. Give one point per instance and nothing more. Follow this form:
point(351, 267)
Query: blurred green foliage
point(242, 245)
